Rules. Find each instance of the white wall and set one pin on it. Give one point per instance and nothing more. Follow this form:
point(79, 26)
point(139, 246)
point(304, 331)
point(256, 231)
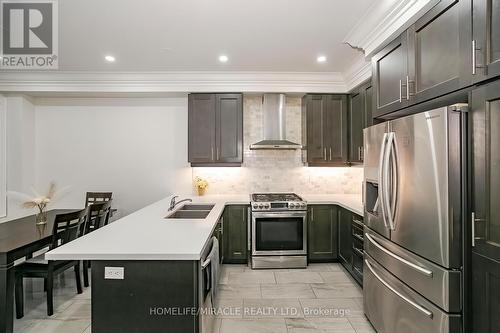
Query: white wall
point(136, 148)
point(20, 152)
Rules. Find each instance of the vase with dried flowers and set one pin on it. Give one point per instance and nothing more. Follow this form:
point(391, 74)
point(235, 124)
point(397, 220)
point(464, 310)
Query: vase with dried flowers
point(201, 185)
point(40, 202)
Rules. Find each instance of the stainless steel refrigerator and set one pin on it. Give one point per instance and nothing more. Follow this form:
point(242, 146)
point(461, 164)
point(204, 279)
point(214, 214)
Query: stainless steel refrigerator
point(413, 194)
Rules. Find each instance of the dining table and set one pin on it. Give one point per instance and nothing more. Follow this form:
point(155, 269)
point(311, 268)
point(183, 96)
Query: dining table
point(20, 238)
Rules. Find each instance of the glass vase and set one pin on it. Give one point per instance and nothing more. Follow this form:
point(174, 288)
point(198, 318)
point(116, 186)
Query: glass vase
point(41, 217)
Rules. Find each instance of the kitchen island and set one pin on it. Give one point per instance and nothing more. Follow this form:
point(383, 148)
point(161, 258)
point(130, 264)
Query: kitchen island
point(147, 271)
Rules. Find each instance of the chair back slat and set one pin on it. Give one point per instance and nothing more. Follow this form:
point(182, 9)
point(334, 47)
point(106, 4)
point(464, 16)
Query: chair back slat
point(68, 227)
point(95, 197)
point(98, 215)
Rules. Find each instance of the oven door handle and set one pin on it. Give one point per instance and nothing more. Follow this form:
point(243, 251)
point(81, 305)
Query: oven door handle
point(279, 214)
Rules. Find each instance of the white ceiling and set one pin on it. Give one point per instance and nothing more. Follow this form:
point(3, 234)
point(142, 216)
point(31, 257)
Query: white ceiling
point(189, 35)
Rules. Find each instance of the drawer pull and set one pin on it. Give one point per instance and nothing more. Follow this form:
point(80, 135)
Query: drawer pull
point(358, 237)
point(398, 258)
point(359, 252)
point(358, 271)
point(407, 300)
point(358, 222)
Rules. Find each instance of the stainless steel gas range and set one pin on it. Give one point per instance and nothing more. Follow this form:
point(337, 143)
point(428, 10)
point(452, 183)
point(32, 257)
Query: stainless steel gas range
point(278, 231)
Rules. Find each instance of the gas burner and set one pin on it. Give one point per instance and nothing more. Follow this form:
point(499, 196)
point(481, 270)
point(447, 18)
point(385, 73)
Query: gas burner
point(277, 201)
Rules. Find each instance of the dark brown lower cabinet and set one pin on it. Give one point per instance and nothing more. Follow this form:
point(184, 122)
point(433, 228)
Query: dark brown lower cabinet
point(485, 216)
point(485, 294)
point(357, 248)
point(351, 243)
point(322, 228)
point(345, 238)
point(234, 223)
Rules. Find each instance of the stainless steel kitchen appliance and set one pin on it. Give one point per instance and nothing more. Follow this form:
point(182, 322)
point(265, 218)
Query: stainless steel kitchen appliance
point(278, 236)
point(413, 195)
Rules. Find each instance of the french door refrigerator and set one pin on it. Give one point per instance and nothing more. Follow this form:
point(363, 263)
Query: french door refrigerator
point(413, 194)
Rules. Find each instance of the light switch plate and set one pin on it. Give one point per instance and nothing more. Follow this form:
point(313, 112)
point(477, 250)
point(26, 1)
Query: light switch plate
point(114, 273)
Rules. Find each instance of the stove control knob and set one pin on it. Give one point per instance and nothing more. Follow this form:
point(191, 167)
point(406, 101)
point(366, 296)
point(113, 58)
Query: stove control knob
point(261, 206)
point(303, 205)
point(267, 206)
point(255, 206)
point(292, 205)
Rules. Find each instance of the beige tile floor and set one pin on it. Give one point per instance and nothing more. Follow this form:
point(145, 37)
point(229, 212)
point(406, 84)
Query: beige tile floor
point(322, 298)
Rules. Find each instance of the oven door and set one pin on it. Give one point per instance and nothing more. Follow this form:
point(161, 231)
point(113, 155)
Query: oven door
point(279, 233)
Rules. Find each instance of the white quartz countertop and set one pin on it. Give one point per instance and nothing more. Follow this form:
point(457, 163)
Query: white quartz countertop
point(147, 235)
point(352, 202)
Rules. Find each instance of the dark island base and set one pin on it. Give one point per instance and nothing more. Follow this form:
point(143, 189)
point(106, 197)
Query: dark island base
point(154, 296)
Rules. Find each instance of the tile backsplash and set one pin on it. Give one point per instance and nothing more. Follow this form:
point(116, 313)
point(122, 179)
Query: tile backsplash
point(277, 170)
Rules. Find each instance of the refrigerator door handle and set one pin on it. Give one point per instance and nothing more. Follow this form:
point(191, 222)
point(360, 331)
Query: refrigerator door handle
point(386, 183)
point(381, 178)
point(419, 269)
point(393, 162)
point(403, 297)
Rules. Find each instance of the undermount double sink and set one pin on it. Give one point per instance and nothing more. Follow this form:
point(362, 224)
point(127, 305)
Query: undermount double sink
point(191, 211)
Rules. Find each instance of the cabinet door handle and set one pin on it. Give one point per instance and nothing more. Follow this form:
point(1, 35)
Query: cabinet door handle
point(330, 153)
point(409, 92)
point(222, 226)
point(475, 66)
point(400, 91)
point(324, 153)
point(473, 229)
point(312, 214)
point(212, 148)
point(404, 85)
point(218, 153)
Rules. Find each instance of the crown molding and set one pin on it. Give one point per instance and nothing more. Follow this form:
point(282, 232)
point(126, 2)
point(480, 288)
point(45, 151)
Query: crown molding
point(385, 20)
point(357, 74)
point(158, 82)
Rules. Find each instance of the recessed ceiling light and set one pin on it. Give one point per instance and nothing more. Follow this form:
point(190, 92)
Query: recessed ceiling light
point(223, 58)
point(321, 59)
point(110, 58)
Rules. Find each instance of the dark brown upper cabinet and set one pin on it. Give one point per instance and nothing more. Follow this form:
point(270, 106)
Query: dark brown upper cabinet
point(486, 39)
point(215, 129)
point(367, 90)
point(356, 127)
point(325, 130)
point(430, 59)
point(439, 51)
point(390, 75)
point(359, 118)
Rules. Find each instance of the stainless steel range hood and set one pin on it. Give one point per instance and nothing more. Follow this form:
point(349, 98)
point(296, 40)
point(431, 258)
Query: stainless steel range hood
point(274, 124)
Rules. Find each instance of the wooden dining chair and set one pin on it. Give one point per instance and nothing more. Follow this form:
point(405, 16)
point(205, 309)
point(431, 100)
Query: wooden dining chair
point(96, 197)
point(98, 217)
point(67, 227)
